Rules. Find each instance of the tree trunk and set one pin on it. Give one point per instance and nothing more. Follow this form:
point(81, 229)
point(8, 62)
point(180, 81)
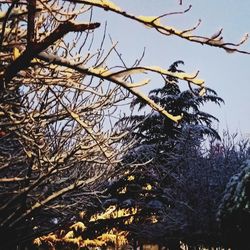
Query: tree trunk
point(174, 245)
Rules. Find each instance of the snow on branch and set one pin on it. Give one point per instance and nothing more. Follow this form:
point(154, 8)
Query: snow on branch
point(154, 22)
point(117, 78)
point(24, 60)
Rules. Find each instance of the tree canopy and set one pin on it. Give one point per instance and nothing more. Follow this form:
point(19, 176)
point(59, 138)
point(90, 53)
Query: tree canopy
point(60, 98)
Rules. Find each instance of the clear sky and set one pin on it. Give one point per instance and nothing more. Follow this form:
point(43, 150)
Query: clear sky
point(226, 73)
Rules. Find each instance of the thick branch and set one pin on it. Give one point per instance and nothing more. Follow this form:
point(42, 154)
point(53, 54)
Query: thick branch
point(154, 22)
point(31, 22)
point(109, 77)
point(13, 179)
point(24, 60)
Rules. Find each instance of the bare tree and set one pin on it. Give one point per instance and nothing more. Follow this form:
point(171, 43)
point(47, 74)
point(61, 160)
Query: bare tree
point(59, 100)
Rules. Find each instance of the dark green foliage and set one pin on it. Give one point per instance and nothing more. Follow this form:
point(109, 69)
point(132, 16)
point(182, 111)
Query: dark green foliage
point(187, 179)
point(155, 128)
point(234, 210)
point(165, 151)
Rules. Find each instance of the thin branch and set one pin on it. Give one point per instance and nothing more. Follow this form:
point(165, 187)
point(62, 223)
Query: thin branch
point(55, 195)
point(6, 18)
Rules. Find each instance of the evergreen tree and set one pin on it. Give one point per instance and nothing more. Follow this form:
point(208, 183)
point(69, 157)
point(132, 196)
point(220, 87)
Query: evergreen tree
point(161, 153)
point(234, 209)
point(155, 128)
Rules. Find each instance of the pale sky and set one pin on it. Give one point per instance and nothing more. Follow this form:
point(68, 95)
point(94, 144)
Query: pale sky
point(227, 74)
